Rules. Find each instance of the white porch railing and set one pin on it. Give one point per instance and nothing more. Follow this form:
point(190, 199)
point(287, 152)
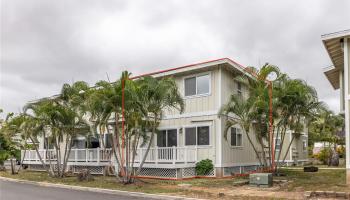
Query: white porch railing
point(32, 155)
point(90, 155)
point(76, 155)
point(156, 155)
point(168, 155)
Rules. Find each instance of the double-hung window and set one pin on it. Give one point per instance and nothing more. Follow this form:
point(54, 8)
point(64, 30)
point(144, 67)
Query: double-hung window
point(236, 137)
point(278, 142)
point(197, 135)
point(239, 88)
point(197, 85)
point(304, 146)
point(167, 138)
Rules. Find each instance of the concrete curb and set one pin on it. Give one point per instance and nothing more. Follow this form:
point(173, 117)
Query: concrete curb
point(99, 190)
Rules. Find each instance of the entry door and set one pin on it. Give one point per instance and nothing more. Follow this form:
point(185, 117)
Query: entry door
point(167, 138)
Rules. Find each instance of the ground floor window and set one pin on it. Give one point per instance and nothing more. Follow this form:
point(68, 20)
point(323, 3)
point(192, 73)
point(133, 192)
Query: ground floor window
point(197, 135)
point(79, 144)
point(236, 137)
point(167, 138)
point(278, 142)
point(108, 139)
point(304, 146)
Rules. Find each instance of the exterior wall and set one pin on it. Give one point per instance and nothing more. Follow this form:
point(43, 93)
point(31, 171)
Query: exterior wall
point(199, 110)
point(235, 156)
point(180, 124)
point(298, 145)
point(347, 102)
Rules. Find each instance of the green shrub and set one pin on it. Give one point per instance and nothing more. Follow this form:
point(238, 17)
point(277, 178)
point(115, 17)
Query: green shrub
point(204, 167)
point(4, 155)
point(323, 155)
point(341, 151)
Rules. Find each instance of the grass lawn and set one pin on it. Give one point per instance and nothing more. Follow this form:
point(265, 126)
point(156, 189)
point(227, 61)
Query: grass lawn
point(324, 179)
point(298, 181)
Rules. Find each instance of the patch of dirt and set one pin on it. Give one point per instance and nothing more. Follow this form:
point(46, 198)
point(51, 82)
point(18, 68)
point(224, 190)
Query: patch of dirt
point(239, 192)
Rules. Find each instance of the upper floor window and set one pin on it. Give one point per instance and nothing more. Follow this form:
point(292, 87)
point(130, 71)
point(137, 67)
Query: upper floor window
point(236, 137)
point(197, 85)
point(239, 88)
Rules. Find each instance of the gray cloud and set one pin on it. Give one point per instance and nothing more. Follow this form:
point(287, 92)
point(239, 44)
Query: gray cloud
point(47, 43)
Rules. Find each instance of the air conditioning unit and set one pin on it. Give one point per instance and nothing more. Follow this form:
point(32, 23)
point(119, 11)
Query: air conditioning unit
point(260, 179)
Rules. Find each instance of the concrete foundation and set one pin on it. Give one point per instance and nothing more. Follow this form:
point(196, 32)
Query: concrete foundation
point(219, 172)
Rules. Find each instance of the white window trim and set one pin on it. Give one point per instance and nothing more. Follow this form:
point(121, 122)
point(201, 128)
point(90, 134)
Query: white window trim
point(239, 91)
point(274, 144)
point(197, 75)
point(304, 141)
point(196, 126)
point(232, 146)
point(166, 135)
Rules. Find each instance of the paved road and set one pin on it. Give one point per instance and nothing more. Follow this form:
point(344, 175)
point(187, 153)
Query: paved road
point(23, 191)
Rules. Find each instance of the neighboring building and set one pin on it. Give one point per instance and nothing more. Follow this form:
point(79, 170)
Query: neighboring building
point(197, 133)
point(319, 146)
point(338, 47)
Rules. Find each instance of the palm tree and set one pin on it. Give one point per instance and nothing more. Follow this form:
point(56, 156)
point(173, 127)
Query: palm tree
point(154, 96)
point(254, 108)
point(328, 127)
point(297, 104)
point(244, 112)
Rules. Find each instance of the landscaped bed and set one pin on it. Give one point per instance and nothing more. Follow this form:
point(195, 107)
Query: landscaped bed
point(293, 185)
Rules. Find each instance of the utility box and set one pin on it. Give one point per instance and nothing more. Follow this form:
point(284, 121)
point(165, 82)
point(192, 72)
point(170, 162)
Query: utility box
point(260, 179)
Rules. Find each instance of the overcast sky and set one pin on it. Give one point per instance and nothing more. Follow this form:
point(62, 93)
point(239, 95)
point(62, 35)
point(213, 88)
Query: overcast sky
point(47, 43)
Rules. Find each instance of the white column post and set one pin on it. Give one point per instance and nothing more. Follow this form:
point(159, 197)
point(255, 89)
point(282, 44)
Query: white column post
point(44, 155)
point(196, 154)
point(86, 155)
point(185, 154)
point(98, 155)
point(156, 154)
point(347, 117)
point(75, 155)
point(174, 154)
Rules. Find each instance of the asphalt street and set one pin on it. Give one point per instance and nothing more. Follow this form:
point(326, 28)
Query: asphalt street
point(23, 191)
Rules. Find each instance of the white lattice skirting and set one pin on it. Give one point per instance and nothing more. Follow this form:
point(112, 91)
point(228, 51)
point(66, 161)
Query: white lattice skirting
point(36, 167)
point(92, 169)
point(188, 172)
point(158, 172)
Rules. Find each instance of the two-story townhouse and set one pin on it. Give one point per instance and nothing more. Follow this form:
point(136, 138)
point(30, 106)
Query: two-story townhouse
point(197, 133)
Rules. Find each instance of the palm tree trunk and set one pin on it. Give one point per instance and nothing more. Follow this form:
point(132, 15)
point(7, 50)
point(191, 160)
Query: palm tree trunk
point(40, 158)
point(290, 144)
point(263, 151)
point(12, 167)
point(134, 146)
point(253, 146)
point(24, 155)
point(67, 151)
point(149, 146)
point(283, 135)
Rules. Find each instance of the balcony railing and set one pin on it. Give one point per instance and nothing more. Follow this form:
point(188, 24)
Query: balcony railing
point(155, 155)
point(90, 155)
point(76, 155)
point(168, 155)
